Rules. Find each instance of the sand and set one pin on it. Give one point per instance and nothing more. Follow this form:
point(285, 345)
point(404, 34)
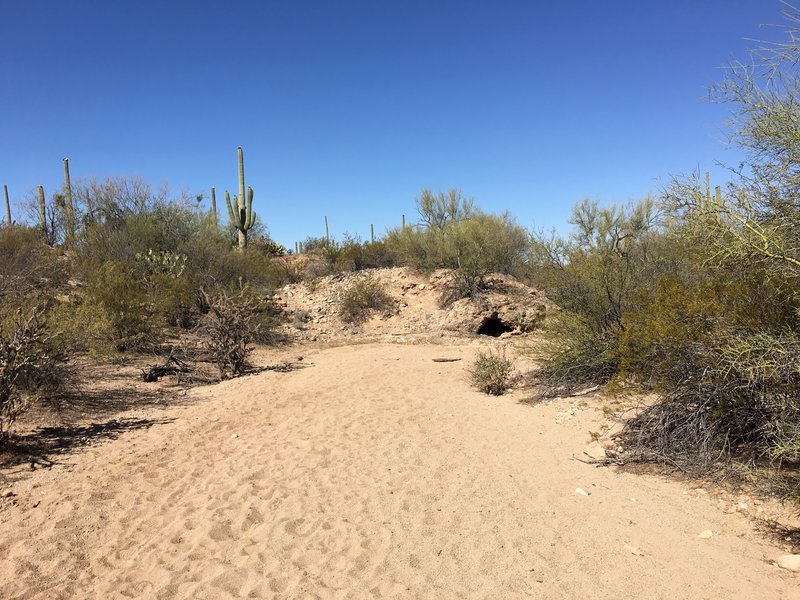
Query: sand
point(372, 472)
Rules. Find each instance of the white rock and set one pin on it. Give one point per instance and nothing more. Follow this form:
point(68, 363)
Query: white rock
point(790, 562)
point(595, 451)
point(704, 535)
point(633, 550)
point(583, 492)
point(742, 506)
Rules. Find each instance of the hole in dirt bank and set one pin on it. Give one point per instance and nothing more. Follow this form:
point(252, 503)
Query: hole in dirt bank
point(493, 326)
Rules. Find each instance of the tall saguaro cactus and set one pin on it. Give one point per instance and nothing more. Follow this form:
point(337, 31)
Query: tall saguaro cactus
point(214, 205)
point(69, 207)
point(8, 206)
point(42, 212)
point(243, 218)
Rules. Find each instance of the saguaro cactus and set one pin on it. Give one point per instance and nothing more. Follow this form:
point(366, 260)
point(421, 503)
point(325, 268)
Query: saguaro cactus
point(69, 207)
point(213, 212)
point(8, 206)
point(42, 212)
point(243, 218)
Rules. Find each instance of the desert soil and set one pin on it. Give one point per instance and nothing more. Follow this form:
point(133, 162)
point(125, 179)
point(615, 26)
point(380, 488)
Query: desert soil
point(370, 471)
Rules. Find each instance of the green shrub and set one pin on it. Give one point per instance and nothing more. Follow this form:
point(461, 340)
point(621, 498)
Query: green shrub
point(492, 373)
point(574, 354)
point(27, 264)
point(365, 294)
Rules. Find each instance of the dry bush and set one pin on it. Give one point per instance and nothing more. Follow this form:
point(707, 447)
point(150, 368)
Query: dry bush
point(230, 326)
point(492, 372)
point(366, 293)
point(28, 365)
point(737, 400)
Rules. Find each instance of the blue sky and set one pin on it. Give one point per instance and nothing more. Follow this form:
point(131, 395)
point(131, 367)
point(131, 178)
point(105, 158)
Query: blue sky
point(349, 108)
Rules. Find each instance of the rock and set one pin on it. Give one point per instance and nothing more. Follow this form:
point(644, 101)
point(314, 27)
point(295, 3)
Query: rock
point(790, 562)
point(742, 506)
point(7, 493)
point(704, 535)
point(595, 451)
point(421, 286)
point(583, 492)
point(633, 550)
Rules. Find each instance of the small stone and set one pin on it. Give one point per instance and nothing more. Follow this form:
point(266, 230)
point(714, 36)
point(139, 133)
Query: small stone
point(704, 535)
point(790, 562)
point(421, 286)
point(633, 550)
point(583, 492)
point(742, 506)
point(7, 493)
point(234, 436)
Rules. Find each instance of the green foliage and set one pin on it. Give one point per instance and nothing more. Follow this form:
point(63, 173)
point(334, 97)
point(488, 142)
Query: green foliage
point(27, 264)
point(595, 276)
point(575, 353)
point(492, 372)
point(458, 236)
point(365, 294)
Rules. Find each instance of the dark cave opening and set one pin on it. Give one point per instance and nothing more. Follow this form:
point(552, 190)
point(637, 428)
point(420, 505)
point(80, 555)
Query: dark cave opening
point(494, 327)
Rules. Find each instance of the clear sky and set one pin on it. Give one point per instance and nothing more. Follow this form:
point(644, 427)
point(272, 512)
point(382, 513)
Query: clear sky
point(348, 108)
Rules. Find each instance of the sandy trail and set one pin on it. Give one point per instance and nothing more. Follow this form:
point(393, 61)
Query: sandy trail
point(371, 473)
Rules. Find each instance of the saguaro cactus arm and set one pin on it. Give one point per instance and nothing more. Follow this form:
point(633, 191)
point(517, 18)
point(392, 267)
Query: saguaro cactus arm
point(243, 217)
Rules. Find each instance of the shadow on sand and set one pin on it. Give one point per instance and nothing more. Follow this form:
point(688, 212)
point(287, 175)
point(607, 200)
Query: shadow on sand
point(43, 446)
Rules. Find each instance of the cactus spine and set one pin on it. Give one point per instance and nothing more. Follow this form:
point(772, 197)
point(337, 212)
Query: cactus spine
point(244, 217)
point(8, 206)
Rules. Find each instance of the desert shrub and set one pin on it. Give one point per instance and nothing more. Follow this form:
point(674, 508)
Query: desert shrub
point(115, 291)
point(594, 276)
point(741, 400)
point(313, 243)
point(229, 327)
point(575, 353)
point(27, 264)
point(492, 372)
point(28, 364)
point(455, 235)
point(365, 294)
point(357, 255)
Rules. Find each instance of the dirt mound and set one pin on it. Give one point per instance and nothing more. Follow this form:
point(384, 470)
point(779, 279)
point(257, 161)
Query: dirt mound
point(505, 307)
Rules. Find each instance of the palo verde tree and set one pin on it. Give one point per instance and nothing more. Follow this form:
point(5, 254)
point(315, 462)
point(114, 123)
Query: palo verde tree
point(757, 216)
